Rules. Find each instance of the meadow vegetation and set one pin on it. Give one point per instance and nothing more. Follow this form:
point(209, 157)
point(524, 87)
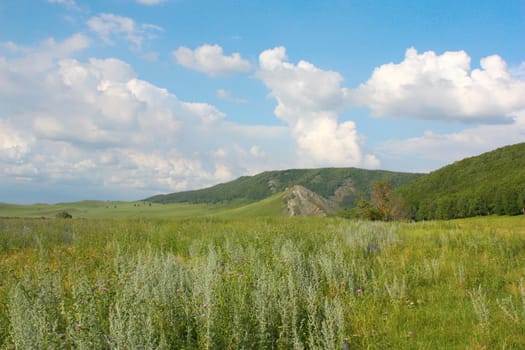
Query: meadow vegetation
point(268, 283)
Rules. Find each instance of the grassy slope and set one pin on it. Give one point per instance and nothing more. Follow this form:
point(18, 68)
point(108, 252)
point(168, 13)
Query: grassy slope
point(273, 206)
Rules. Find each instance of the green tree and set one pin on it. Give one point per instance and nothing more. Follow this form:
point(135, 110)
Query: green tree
point(381, 193)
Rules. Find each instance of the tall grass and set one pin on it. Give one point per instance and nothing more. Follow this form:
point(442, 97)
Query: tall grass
point(264, 283)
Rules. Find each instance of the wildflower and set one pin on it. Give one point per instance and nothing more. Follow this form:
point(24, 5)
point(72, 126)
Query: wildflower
point(78, 326)
point(120, 282)
point(343, 283)
point(359, 291)
point(374, 331)
point(205, 305)
point(104, 289)
point(410, 333)
point(61, 335)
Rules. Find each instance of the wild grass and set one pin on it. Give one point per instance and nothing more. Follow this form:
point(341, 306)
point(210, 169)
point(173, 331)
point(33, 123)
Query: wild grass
point(261, 284)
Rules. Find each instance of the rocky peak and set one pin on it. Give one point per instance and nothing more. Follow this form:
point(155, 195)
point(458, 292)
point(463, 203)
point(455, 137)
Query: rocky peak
point(300, 201)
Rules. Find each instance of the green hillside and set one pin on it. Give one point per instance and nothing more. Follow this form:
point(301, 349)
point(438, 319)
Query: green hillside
point(342, 185)
point(491, 183)
point(271, 206)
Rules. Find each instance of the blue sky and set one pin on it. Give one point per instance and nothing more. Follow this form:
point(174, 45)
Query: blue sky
point(122, 99)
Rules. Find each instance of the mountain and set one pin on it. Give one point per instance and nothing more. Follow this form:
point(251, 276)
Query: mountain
point(491, 183)
point(337, 187)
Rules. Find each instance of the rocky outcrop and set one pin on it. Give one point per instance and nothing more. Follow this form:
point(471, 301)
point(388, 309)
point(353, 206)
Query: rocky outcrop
point(300, 201)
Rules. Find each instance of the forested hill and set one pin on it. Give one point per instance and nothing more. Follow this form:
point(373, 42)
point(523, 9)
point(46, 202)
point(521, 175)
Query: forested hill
point(341, 185)
point(492, 183)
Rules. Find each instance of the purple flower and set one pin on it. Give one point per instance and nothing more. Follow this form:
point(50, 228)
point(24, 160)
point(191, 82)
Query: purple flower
point(205, 305)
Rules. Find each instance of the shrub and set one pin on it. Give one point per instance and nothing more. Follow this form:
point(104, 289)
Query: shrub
point(64, 215)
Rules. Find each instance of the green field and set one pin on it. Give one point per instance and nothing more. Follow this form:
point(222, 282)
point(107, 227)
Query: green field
point(271, 206)
point(265, 283)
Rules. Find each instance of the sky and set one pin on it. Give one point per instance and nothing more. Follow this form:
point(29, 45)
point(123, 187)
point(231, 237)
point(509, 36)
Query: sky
point(124, 99)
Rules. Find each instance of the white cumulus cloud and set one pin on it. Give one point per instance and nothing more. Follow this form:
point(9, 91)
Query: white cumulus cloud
point(210, 59)
point(444, 87)
point(309, 100)
point(94, 125)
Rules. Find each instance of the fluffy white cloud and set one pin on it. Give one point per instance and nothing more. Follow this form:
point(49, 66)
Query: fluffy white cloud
point(109, 26)
point(211, 60)
point(93, 124)
point(13, 146)
point(309, 100)
point(45, 53)
point(443, 87)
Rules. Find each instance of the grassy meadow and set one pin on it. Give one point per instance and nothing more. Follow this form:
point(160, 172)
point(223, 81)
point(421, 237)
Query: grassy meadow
point(271, 206)
point(261, 283)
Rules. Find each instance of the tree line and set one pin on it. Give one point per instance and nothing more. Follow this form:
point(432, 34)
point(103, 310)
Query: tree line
point(387, 204)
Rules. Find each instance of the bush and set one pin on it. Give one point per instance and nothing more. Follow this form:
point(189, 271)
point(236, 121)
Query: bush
point(64, 215)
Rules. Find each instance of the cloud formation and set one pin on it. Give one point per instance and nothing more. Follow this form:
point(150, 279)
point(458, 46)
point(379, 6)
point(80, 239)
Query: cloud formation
point(109, 26)
point(95, 123)
point(443, 87)
point(309, 100)
point(211, 60)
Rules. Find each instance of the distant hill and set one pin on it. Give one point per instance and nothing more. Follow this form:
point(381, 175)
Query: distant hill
point(341, 187)
point(491, 183)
